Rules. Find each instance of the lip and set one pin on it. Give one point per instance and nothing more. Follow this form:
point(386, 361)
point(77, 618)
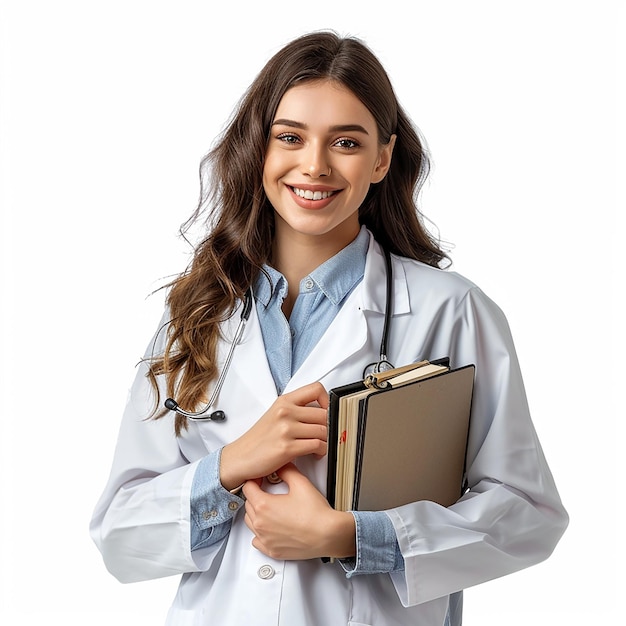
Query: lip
point(313, 204)
point(309, 187)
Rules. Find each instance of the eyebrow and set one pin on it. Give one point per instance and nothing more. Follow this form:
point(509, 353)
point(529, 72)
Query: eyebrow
point(344, 128)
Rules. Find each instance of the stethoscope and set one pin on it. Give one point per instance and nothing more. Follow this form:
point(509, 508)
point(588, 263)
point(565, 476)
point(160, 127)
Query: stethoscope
point(382, 365)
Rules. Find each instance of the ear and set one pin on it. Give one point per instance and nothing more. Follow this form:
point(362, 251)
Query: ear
point(384, 161)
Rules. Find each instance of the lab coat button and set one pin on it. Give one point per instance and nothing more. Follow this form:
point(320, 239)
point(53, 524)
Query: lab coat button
point(266, 572)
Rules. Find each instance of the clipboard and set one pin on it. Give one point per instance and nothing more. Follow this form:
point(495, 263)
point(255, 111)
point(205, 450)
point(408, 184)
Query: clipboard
point(399, 438)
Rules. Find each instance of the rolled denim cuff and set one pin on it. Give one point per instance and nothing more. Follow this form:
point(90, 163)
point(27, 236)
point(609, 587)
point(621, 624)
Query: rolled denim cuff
point(377, 549)
point(212, 507)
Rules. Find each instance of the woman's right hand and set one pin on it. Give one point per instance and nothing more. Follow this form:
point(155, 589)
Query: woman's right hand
point(294, 426)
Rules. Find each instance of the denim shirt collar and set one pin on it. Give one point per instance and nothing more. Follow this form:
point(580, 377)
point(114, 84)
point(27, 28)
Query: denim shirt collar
point(336, 277)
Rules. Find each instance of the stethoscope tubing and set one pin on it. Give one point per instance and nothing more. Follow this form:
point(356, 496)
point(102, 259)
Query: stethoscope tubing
point(383, 364)
point(217, 416)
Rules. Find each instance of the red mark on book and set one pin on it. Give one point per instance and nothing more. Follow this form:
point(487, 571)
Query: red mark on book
point(342, 438)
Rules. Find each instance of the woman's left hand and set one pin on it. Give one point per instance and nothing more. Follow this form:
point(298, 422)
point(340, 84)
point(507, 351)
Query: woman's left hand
point(299, 524)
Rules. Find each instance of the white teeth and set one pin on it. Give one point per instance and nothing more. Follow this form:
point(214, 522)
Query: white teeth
point(307, 194)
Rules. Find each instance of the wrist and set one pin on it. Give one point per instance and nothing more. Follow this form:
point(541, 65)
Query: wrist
point(342, 535)
point(230, 478)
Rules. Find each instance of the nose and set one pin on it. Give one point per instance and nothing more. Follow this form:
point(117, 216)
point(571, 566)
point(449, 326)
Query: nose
point(315, 163)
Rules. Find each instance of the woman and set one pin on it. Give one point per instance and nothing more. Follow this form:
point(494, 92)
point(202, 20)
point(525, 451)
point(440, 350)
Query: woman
point(315, 176)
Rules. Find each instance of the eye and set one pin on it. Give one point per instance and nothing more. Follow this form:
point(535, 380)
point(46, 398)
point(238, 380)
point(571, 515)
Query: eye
point(347, 144)
point(288, 138)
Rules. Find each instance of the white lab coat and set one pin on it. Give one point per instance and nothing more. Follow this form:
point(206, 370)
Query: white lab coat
point(511, 518)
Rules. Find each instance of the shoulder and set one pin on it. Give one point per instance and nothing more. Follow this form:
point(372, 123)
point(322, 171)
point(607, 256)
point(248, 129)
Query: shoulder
point(446, 289)
point(420, 276)
point(422, 288)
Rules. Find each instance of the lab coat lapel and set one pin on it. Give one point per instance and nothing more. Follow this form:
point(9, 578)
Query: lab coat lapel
point(249, 364)
point(352, 328)
point(343, 338)
point(348, 333)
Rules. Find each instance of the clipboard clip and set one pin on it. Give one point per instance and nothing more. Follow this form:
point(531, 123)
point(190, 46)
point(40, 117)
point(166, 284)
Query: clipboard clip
point(380, 380)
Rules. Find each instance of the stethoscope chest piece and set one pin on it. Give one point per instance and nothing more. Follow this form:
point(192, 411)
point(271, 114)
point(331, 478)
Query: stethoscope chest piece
point(382, 365)
point(217, 416)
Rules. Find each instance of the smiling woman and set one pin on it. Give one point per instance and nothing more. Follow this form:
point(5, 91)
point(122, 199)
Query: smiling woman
point(323, 155)
point(312, 186)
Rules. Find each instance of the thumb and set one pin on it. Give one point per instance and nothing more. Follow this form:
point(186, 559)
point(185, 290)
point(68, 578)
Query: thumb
point(251, 488)
point(290, 474)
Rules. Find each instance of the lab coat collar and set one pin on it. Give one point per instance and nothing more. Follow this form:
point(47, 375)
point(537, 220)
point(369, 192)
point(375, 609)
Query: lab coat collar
point(349, 330)
point(350, 325)
point(375, 281)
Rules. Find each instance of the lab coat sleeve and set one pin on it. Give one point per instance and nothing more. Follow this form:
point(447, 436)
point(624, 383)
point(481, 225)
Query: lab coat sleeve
point(141, 523)
point(512, 516)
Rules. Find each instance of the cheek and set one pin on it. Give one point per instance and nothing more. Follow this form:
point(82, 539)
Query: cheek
point(269, 173)
point(273, 171)
point(271, 180)
point(361, 176)
point(267, 168)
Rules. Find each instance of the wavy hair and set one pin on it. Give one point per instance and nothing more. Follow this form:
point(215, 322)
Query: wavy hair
point(239, 219)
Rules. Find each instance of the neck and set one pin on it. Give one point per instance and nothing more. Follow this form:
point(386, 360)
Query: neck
point(295, 255)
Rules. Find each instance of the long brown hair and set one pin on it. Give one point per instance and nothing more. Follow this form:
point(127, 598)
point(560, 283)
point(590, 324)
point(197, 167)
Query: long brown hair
point(239, 219)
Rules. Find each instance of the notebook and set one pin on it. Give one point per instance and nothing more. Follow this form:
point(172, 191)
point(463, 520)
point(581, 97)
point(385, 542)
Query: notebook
point(399, 438)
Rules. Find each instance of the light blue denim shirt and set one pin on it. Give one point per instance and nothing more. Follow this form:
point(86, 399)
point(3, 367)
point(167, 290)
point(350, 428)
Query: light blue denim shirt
point(287, 344)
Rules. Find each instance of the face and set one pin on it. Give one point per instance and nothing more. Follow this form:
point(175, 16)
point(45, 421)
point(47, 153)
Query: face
point(322, 157)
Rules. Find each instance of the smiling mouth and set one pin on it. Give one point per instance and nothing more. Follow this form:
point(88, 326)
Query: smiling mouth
point(307, 194)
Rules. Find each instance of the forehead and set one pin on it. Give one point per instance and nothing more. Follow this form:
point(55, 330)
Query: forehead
point(324, 103)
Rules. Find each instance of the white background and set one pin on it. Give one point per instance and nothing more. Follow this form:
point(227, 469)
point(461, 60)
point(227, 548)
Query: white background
point(106, 110)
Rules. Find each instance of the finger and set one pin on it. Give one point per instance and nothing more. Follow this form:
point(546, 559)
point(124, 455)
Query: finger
point(311, 415)
point(251, 489)
point(290, 474)
point(256, 543)
point(314, 392)
point(249, 515)
point(247, 518)
point(249, 523)
point(323, 399)
point(287, 412)
point(307, 430)
point(302, 447)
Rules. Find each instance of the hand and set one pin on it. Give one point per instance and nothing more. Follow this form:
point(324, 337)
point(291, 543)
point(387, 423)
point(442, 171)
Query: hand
point(294, 426)
point(297, 525)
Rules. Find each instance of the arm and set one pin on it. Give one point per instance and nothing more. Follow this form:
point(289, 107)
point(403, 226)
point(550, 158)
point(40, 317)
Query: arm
point(149, 489)
point(151, 483)
point(512, 517)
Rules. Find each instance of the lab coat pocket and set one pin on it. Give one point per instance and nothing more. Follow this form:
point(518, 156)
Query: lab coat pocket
point(182, 617)
point(375, 602)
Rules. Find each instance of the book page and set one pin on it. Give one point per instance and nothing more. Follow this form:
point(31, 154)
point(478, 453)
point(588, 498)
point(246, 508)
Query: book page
point(416, 374)
point(347, 448)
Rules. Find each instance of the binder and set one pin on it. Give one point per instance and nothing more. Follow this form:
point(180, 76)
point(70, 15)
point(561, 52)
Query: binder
point(399, 437)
